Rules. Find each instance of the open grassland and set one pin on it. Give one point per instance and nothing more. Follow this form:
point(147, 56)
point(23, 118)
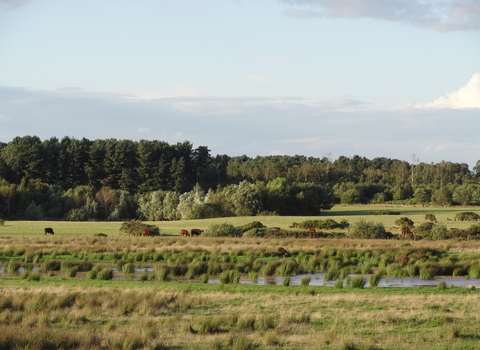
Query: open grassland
point(179, 316)
point(172, 228)
point(66, 306)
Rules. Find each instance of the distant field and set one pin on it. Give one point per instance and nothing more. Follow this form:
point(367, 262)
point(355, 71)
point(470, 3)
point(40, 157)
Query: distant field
point(337, 213)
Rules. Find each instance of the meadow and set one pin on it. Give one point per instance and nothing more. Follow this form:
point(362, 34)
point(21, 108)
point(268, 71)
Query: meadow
point(57, 291)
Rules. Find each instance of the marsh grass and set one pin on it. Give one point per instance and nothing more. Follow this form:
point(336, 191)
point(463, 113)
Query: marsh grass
point(359, 282)
point(305, 281)
point(428, 273)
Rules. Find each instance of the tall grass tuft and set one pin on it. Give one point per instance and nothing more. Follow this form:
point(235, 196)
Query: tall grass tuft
point(253, 275)
point(286, 281)
point(13, 267)
point(128, 268)
point(230, 276)
point(163, 274)
point(332, 274)
point(105, 274)
point(288, 267)
point(428, 273)
point(92, 274)
point(210, 325)
point(358, 282)
point(339, 283)
point(374, 279)
point(204, 278)
point(305, 281)
point(474, 271)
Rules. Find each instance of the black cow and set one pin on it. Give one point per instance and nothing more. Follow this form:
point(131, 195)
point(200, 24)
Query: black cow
point(48, 230)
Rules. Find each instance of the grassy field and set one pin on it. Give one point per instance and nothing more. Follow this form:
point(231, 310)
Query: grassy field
point(172, 228)
point(60, 310)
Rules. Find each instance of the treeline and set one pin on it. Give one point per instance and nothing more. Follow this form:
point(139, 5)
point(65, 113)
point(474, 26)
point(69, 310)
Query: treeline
point(124, 179)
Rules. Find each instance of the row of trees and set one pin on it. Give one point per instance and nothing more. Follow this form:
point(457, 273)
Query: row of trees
point(67, 174)
point(34, 200)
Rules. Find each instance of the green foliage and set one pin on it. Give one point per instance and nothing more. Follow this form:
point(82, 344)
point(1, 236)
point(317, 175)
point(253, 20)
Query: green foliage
point(327, 224)
point(358, 282)
point(440, 231)
point(252, 225)
point(305, 281)
point(385, 212)
point(222, 230)
point(2, 222)
point(423, 229)
point(366, 230)
point(428, 273)
point(430, 218)
point(404, 222)
point(286, 282)
point(375, 279)
point(467, 216)
point(136, 227)
point(255, 232)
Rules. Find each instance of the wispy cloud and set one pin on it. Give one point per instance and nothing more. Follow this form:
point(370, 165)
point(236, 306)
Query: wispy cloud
point(261, 78)
point(440, 15)
point(15, 3)
point(467, 97)
point(143, 129)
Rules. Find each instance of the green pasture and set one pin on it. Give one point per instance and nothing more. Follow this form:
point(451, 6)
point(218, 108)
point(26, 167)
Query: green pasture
point(172, 228)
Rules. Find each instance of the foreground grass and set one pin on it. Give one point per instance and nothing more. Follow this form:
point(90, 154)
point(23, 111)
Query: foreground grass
point(129, 315)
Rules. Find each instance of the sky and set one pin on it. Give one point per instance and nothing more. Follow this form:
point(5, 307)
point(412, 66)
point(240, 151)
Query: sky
point(374, 78)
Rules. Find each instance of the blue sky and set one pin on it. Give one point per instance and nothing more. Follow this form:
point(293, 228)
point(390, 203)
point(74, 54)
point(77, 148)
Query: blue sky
point(257, 77)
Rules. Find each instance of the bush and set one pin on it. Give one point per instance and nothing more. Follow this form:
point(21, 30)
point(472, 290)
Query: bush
point(404, 222)
point(474, 228)
point(2, 222)
point(440, 232)
point(386, 212)
point(467, 216)
point(367, 230)
point(252, 225)
point(222, 230)
point(423, 229)
point(136, 227)
point(327, 224)
point(255, 232)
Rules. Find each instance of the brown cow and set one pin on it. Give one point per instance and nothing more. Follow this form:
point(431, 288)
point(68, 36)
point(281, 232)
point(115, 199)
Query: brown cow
point(148, 233)
point(276, 228)
point(48, 230)
point(406, 230)
point(195, 232)
point(184, 233)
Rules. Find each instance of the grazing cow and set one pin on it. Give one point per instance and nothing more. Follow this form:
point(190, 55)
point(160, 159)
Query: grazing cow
point(312, 229)
point(48, 230)
point(276, 228)
point(195, 232)
point(148, 233)
point(184, 233)
point(406, 230)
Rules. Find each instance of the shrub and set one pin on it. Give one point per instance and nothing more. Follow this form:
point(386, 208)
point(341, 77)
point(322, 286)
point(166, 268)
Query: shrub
point(136, 227)
point(423, 229)
point(440, 232)
point(430, 218)
point(255, 232)
point(252, 225)
point(222, 230)
point(474, 228)
point(441, 285)
point(366, 229)
point(327, 224)
point(385, 212)
point(467, 216)
point(404, 222)
point(2, 222)
point(339, 283)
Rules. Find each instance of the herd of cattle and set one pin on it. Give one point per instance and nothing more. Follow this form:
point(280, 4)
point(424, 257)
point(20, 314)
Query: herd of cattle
point(406, 233)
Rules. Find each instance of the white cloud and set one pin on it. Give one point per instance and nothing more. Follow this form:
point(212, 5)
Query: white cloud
point(261, 78)
point(15, 3)
point(143, 129)
point(467, 97)
point(439, 15)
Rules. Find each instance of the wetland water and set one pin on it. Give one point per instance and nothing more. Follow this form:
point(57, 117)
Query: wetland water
point(317, 279)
